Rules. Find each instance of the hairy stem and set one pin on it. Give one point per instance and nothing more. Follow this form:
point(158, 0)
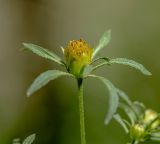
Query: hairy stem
point(81, 110)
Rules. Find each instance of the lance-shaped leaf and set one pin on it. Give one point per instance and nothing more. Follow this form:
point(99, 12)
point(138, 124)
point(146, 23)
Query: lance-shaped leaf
point(155, 138)
point(104, 40)
point(44, 78)
point(43, 52)
point(16, 141)
point(155, 134)
point(124, 97)
point(129, 112)
point(131, 63)
point(29, 139)
point(87, 70)
point(113, 97)
point(139, 108)
point(118, 118)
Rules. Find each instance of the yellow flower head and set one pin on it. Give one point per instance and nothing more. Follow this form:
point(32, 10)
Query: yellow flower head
point(149, 117)
point(77, 54)
point(137, 132)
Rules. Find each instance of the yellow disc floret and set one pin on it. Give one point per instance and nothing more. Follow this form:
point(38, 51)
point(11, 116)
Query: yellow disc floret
point(77, 54)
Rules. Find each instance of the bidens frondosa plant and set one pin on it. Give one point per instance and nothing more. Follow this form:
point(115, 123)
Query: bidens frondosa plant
point(79, 62)
point(143, 124)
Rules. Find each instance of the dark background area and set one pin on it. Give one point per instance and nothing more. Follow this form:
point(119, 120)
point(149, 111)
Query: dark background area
point(52, 113)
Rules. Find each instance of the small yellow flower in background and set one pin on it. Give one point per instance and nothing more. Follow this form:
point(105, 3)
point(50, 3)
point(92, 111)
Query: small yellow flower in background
point(137, 132)
point(78, 54)
point(149, 117)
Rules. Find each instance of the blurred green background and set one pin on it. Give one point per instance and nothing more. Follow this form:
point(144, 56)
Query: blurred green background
point(52, 113)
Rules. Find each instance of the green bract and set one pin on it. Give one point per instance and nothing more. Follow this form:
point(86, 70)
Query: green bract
point(80, 61)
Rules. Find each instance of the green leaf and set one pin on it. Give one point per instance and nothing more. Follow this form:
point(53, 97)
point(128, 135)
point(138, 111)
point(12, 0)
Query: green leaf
point(141, 105)
point(136, 106)
point(118, 118)
point(139, 108)
point(44, 78)
point(16, 141)
point(156, 134)
point(101, 63)
point(113, 97)
point(104, 40)
point(130, 113)
point(131, 63)
point(106, 59)
point(29, 139)
point(124, 96)
point(87, 70)
point(43, 52)
point(155, 138)
point(127, 123)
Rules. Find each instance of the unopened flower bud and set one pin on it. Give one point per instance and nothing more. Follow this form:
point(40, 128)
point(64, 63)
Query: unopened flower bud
point(137, 132)
point(77, 54)
point(149, 117)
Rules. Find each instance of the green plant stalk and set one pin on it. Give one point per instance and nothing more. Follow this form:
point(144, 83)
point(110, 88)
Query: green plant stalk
point(81, 110)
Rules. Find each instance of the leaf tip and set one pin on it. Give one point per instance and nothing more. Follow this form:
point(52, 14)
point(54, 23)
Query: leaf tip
point(24, 43)
point(106, 121)
point(62, 49)
point(109, 31)
point(24, 47)
point(28, 93)
point(148, 73)
point(33, 135)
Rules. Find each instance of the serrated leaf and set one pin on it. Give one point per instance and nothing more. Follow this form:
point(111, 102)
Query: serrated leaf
point(131, 63)
point(118, 118)
point(43, 52)
point(104, 40)
point(113, 97)
point(44, 78)
point(29, 139)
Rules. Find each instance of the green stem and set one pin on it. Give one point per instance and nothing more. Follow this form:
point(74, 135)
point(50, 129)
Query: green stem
point(81, 110)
